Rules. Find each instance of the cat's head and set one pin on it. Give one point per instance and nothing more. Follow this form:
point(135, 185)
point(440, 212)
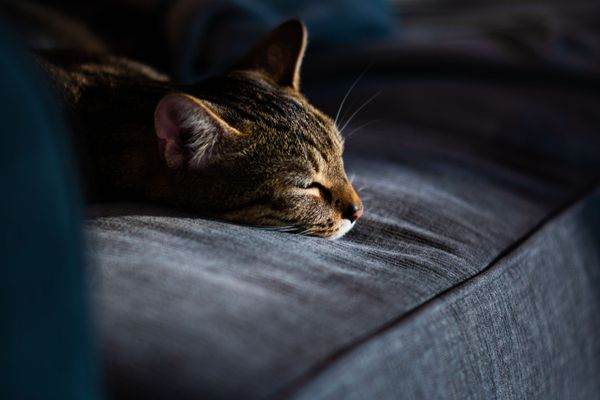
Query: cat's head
point(248, 147)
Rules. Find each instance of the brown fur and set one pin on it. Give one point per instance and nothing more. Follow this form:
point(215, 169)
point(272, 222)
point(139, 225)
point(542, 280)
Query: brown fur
point(272, 158)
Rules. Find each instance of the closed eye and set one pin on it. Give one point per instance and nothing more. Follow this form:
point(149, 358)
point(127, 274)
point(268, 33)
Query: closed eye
point(322, 190)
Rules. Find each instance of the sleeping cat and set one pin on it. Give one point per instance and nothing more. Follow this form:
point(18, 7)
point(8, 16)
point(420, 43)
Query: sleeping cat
point(245, 146)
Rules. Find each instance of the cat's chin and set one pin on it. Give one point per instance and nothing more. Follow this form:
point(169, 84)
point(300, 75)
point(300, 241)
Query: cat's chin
point(343, 229)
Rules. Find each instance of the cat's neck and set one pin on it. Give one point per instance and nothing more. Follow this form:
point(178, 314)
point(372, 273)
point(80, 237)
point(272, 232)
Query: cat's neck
point(116, 138)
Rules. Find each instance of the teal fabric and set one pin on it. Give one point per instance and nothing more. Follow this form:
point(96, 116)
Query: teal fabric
point(212, 35)
point(329, 23)
point(45, 345)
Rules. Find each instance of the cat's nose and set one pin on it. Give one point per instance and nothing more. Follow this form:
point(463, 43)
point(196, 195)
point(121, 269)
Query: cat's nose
point(353, 212)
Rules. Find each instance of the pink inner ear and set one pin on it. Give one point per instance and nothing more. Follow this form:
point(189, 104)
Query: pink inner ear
point(189, 134)
point(168, 132)
point(165, 121)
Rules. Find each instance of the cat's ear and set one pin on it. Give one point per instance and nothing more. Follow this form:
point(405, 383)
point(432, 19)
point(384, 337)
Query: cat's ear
point(279, 54)
point(189, 133)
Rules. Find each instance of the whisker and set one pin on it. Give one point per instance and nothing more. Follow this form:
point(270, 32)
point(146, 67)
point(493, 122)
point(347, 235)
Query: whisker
point(360, 108)
point(353, 131)
point(347, 111)
point(271, 228)
point(286, 230)
point(305, 232)
point(337, 115)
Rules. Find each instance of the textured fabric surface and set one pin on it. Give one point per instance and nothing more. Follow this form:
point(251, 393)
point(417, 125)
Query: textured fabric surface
point(453, 179)
point(472, 255)
point(523, 329)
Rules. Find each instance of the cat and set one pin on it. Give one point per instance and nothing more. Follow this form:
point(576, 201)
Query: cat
point(245, 146)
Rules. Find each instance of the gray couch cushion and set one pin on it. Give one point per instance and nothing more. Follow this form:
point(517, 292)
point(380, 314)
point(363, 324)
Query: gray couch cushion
point(455, 180)
point(523, 328)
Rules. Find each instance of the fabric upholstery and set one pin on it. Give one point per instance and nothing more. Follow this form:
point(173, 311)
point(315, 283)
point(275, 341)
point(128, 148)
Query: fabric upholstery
point(472, 192)
point(473, 273)
point(524, 328)
point(45, 343)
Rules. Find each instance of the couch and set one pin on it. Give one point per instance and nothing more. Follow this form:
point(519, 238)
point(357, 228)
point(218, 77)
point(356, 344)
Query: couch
point(473, 274)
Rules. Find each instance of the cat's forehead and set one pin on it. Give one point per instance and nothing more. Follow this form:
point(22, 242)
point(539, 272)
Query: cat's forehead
point(257, 106)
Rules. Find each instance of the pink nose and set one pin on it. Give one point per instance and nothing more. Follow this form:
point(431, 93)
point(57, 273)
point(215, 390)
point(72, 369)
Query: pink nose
point(353, 212)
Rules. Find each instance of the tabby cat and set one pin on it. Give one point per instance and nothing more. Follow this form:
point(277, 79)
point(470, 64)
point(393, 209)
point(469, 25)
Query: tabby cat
point(245, 146)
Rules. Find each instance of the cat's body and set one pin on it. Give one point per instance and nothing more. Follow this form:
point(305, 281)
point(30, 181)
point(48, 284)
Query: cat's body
point(245, 146)
point(110, 102)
